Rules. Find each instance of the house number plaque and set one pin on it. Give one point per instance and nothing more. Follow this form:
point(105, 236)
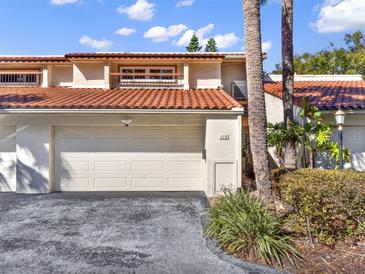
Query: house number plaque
point(224, 137)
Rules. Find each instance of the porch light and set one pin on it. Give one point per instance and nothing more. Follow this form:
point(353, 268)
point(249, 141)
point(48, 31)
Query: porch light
point(340, 120)
point(340, 117)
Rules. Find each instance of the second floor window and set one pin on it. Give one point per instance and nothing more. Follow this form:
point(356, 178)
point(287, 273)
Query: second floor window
point(19, 79)
point(150, 73)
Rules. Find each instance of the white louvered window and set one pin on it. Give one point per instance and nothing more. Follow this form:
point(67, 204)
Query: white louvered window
point(148, 73)
point(15, 79)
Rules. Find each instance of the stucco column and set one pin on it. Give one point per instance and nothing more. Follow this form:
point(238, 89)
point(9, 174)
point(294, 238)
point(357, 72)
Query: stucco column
point(45, 77)
point(33, 157)
point(186, 76)
point(107, 75)
point(222, 145)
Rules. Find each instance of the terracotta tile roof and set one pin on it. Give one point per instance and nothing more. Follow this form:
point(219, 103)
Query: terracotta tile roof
point(118, 56)
point(141, 55)
point(33, 59)
point(70, 98)
point(325, 94)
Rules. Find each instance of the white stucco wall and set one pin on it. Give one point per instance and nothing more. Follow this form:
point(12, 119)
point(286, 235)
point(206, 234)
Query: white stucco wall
point(275, 114)
point(232, 72)
point(35, 144)
point(61, 76)
point(89, 75)
point(205, 75)
point(223, 153)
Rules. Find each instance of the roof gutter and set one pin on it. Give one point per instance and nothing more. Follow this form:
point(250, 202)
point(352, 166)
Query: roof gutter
point(347, 111)
point(120, 111)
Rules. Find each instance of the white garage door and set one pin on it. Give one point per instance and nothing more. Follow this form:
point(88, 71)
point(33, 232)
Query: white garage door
point(128, 158)
point(354, 139)
point(7, 158)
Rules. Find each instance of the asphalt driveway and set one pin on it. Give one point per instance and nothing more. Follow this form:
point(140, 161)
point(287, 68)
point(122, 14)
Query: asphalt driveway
point(109, 233)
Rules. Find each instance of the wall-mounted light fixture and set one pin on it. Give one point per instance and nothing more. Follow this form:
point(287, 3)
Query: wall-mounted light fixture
point(126, 122)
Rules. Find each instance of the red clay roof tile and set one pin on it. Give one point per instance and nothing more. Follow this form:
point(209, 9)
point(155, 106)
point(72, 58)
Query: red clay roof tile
point(70, 98)
point(144, 55)
point(33, 59)
point(325, 94)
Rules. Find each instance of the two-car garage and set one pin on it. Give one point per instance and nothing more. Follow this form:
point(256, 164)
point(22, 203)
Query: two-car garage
point(77, 152)
point(128, 158)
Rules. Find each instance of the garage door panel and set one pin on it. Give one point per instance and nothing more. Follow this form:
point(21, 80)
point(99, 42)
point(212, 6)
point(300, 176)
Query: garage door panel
point(148, 165)
point(184, 165)
point(77, 166)
point(104, 183)
point(147, 182)
point(110, 165)
point(182, 181)
point(133, 158)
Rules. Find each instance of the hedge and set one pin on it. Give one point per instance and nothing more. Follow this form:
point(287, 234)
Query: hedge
point(331, 203)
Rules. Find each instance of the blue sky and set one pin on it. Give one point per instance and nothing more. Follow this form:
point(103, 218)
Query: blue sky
point(62, 26)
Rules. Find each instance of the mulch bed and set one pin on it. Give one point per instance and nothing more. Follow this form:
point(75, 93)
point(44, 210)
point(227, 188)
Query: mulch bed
point(346, 257)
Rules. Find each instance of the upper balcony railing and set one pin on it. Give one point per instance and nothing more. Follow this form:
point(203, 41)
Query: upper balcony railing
point(149, 80)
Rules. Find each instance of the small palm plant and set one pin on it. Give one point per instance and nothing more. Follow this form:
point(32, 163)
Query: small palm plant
point(243, 226)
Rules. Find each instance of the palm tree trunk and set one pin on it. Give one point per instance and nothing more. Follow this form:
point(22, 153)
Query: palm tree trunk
point(256, 99)
point(288, 77)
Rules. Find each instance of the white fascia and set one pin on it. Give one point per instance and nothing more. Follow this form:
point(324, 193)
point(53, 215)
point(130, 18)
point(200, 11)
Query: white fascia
point(239, 111)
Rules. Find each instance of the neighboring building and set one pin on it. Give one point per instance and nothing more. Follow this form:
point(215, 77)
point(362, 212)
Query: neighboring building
point(328, 93)
point(120, 122)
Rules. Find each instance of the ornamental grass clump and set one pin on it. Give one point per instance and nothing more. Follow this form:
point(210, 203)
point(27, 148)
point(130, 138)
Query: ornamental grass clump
point(241, 225)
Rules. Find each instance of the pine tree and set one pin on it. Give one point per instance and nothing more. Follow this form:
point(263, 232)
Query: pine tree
point(211, 46)
point(194, 45)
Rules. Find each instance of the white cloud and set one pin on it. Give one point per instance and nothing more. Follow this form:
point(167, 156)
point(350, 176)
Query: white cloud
point(340, 15)
point(201, 33)
point(142, 10)
point(223, 40)
point(102, 44)
point(63, 2)
point(266, 46)
point(184, 3)
point(161, 34)
point(125, 31)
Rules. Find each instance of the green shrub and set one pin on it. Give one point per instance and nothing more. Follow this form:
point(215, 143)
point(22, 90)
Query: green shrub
point(242, 225)
point(330, 202)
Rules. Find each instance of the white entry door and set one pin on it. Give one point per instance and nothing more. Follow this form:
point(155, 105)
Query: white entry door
point(128, 158)
point(7, 158)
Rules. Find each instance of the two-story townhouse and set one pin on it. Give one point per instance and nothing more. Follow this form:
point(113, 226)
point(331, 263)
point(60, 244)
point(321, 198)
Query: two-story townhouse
point(121, 122)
